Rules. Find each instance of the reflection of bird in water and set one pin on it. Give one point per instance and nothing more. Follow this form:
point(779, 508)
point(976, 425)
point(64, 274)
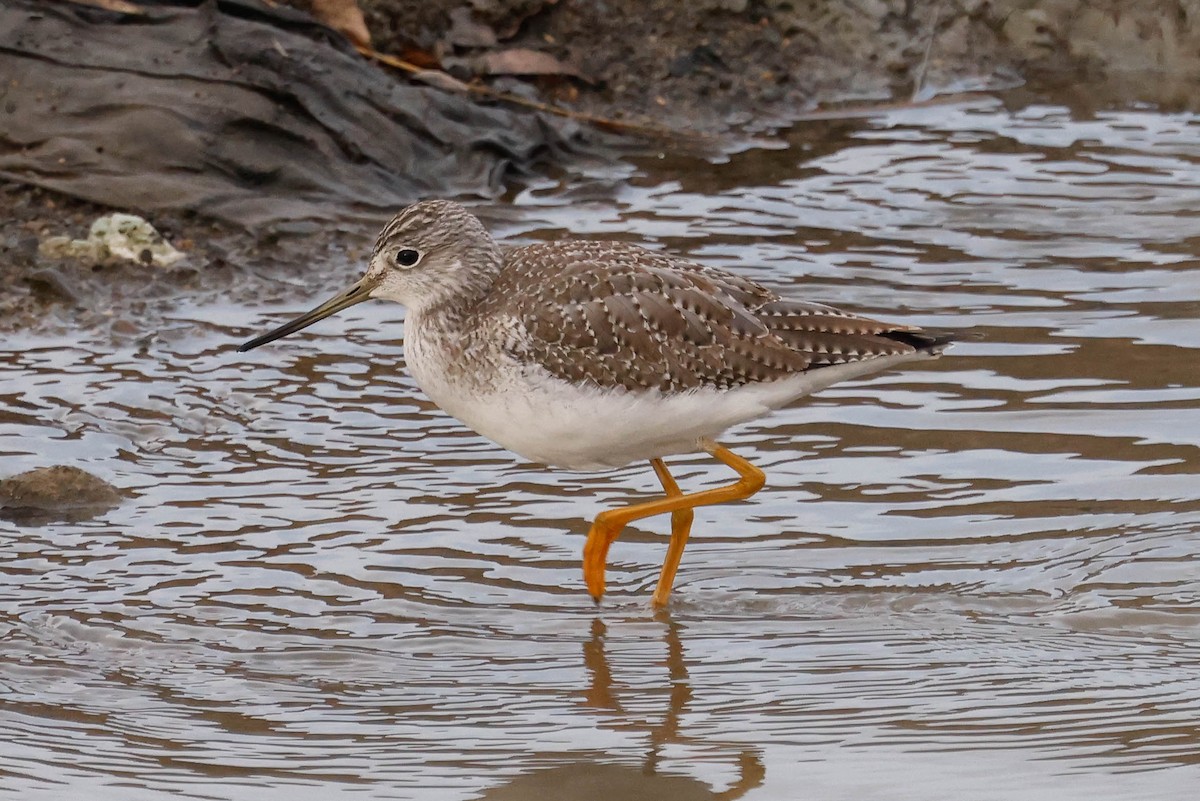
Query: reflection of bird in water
point(592, 355)
point(596, 780)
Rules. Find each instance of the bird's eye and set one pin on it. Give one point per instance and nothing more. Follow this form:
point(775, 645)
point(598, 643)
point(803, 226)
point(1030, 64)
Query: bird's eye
point(407, 257)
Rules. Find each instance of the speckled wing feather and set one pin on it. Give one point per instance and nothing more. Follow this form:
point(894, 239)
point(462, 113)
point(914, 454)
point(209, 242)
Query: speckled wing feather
point(614, 315)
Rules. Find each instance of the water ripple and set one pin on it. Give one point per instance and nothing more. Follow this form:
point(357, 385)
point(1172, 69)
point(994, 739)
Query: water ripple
point(975, 573)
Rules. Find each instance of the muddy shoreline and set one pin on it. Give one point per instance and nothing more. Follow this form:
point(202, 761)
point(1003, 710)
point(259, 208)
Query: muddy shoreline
point(724, 65)
point(129, 300)
point(709, 65)
point(716, 66)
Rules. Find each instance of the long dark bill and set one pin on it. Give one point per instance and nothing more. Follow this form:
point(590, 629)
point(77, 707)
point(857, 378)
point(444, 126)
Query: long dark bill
point(357, 293)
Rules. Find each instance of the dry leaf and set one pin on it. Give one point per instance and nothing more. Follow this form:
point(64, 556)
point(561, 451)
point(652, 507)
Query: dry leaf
point(120, 6)
point(421, 58)
point(345, 17)
point(522, 61)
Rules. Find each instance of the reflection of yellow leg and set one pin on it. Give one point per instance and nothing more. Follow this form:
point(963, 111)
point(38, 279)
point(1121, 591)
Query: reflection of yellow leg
point(609, 523)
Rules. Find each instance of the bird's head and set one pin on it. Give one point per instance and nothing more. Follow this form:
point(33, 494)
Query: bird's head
point(431, 251)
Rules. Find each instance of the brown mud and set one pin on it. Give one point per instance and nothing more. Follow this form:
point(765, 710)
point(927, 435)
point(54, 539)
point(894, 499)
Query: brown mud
point(130, 299)
point(713, 66)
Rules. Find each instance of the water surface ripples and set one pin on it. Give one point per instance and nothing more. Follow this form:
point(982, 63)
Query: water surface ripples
point(975, 578)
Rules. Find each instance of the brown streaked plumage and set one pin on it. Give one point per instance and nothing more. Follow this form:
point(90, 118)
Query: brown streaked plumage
point(615, 315)
point(593, 354)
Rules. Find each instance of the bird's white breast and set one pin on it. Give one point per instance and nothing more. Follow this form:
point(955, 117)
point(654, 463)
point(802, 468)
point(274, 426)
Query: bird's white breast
point(545, 419)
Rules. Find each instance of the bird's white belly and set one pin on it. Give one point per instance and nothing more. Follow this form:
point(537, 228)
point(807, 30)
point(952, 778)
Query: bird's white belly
point(547, 420)
point(590, 429)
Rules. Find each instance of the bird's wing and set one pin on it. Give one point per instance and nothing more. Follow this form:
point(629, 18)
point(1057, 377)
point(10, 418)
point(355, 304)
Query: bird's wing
point(614, 315)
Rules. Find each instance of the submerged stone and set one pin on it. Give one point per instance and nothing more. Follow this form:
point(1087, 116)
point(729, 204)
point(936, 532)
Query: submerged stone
point(55, 493)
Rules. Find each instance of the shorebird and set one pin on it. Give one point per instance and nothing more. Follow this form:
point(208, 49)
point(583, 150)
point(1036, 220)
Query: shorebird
point(591, 355)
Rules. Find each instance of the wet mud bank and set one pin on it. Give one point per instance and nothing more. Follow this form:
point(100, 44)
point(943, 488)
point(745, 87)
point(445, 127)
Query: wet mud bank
point(249, 136)
point(255, 138)
point(717, 65)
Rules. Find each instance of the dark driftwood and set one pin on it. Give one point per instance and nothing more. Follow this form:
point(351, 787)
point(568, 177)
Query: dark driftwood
point(237, 111)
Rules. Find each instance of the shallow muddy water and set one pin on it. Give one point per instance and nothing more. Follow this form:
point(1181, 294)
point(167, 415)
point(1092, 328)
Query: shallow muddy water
point(976, 578)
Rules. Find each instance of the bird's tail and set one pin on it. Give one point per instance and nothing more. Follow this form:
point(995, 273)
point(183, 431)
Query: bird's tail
point(932, 341)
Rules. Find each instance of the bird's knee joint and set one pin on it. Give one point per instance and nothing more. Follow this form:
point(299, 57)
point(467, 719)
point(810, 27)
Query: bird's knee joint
point(752, 484)
point(607, 519)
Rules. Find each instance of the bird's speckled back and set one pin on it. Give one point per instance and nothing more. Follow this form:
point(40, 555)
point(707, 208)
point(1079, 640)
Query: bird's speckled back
point(611, 315)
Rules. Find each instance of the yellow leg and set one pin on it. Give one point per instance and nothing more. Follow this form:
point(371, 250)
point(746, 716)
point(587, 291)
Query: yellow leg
point(609, 523)
point(681, 526)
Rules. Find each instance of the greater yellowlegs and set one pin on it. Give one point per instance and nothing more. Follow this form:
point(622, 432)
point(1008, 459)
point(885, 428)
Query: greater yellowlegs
point(591, 355)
